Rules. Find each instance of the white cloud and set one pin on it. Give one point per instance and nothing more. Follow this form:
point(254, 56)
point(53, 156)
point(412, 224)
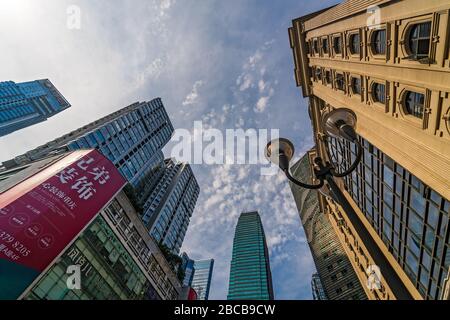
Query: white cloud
point(261, 105)
point(192, 97)
point(245, 81)
point(125, 53)
point(261, 85)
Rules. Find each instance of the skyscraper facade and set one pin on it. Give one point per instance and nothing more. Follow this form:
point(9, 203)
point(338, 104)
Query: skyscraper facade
point(27, 103)
point(337, 278)
point(132, 138)
point(116, 257)
point(250, 275)
point(317, 288)
point(389, 65)
point(170, 205)
point(188, 266)
point(201, 282)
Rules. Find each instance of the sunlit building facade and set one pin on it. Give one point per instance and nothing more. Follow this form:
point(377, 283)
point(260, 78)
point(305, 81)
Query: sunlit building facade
point(132, 138)
point(388, 61)
point(250, 275)
point(27, 103)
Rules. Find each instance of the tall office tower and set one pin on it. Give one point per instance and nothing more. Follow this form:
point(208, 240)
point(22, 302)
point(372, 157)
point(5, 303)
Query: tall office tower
point(132, 138)
point(250, 275)
point(338, 279)
point(201, 282)
point(169, 207)
point(198, 275)
point(389, 64)
point(317, 288)
point(188, 266)
point(27, 103)
point(101, 233)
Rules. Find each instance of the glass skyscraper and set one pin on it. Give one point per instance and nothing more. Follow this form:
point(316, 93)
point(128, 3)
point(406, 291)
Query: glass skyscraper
point(201, 282)
point(317, 288)
point(410, 217)
point(170, 205)
point(198, 275)
point(250, 275)
point(27, 103)
point(132, 138)
point(188, 266)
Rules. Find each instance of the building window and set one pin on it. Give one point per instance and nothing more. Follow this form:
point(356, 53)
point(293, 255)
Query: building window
point(356, 85)
point(413, 103)
point(379, 92)
point(418, 226)
point(419, 40)
point(379, 41)
point(318, 74)
point(340, 81)
point(355, 43)
point(325, 45)
point(315, 46)
point(328, 77)
point(337, 45)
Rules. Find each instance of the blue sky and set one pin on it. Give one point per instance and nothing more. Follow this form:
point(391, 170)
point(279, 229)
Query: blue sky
point(226, 63)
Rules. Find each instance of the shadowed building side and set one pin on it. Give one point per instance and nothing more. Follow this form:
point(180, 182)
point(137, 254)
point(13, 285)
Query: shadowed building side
point(335, 273)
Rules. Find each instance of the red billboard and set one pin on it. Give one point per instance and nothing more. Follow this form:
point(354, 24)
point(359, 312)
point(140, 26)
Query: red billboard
point(192, 295)
point(40, 216)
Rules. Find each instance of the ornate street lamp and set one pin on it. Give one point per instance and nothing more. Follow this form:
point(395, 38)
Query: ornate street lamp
point(339, 123)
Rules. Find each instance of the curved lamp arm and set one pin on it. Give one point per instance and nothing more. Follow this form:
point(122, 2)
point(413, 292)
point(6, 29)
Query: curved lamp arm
point(301, 184)
point(354, 164)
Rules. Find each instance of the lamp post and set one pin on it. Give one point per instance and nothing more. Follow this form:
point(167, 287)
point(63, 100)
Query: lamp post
point(339, 123)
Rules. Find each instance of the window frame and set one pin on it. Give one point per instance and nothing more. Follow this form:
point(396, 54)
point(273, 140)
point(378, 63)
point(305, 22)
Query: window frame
point(325, 53)
point(349, 46)
point(371, 93)
point(405, 108)
point(404, 54)
point(401, 98)
point(336, 74)
point(361, 87)
point(372, 42)
point(334, 37)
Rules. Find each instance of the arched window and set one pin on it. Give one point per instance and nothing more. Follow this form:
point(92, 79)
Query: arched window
point(379, 41)
point(379, 92)
point(356, 85)
point(340, 81)
point(355, 43)
point(337, 44)
point(413, 103)
point(419, 40)
point(325, 45)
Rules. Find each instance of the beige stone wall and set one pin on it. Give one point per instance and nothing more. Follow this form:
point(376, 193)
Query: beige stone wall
point(420, 145)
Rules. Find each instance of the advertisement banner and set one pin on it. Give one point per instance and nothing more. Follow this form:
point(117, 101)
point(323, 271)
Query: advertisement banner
point(41, 215)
